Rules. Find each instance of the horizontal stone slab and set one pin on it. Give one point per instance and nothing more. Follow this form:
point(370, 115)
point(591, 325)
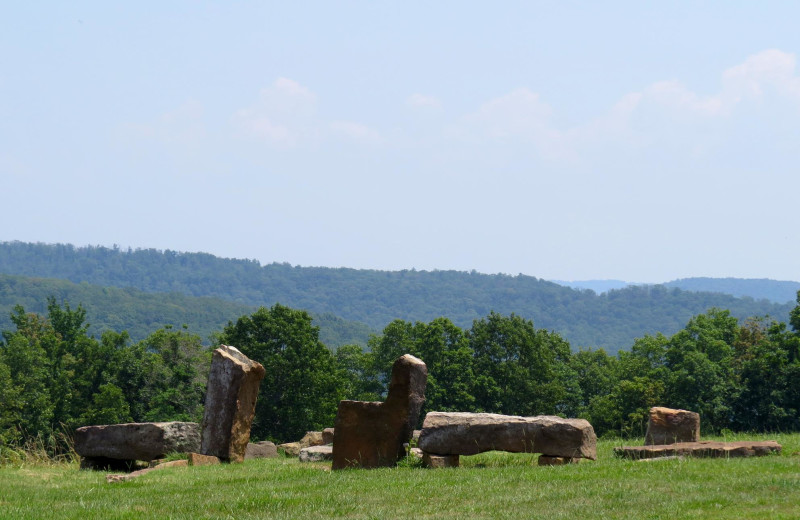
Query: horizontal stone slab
point(710, 449)
point(137, 441)
point(461, 433)
point(316, 454)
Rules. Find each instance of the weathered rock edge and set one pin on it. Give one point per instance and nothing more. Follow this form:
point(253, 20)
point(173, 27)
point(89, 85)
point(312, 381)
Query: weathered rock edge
point(137, 441)
point(462, 433)
point(708, 449)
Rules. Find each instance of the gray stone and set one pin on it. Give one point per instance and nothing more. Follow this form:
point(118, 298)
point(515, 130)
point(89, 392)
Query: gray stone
point(316, 454)
point(667, 426)
point(372, 434)
point(136, 441)
point(231, 396)
point(260, 450)
point(461, 433)
point(327, 436)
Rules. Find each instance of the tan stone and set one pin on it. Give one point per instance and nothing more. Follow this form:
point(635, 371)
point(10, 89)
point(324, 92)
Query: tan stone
point(230, 404)
point(461, 433)
point(667, 426)
point(136, 474)
point(372, 434)
point(708, 449)
point(198, 459)
point(547, 460)
point(291, 449)
point(312, 439)
point(432, 461)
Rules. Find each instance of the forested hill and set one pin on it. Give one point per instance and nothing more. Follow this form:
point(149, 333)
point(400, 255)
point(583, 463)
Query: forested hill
point(611, 320)
point(140, 313)
point(772, 290)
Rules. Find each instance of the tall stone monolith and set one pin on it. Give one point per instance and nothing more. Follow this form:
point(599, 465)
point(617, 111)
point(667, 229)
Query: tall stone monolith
point(230, 404)
point(372, 434)
point(668, 426)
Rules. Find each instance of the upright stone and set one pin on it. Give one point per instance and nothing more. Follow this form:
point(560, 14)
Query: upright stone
point(668, 426)
point(230, 404)
point(372, 434)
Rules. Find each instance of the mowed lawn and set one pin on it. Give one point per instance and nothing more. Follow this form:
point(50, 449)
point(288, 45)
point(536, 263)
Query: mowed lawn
point(491, 485)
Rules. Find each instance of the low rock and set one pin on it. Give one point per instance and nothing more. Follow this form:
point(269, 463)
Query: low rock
point(461, 433)
point(198, 459)
point(709, 449)
point(261, 450)
point(316, 454)
point(668, 426)
point(136, 474)
point(432, 461)
point(312, 439)
point(373, 434)
point(291, 449)
point(136, 441)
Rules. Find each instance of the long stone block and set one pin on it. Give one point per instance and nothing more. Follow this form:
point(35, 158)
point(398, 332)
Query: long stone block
point(230, 404)
point(372, 434)
point(461, 433)
point(136, 441)
point(710, 449)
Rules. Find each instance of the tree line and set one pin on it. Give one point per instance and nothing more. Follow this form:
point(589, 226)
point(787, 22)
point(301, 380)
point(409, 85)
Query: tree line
point(374, 298)
point(738, 375)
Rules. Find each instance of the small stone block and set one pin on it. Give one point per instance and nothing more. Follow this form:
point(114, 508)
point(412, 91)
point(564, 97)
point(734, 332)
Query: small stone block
point(198, 459)
point(430, 460)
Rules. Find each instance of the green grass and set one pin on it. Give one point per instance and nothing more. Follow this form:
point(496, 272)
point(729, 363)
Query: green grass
point(490, 485)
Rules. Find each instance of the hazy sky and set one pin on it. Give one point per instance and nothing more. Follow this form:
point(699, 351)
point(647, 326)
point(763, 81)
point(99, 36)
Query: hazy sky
point(644, 141)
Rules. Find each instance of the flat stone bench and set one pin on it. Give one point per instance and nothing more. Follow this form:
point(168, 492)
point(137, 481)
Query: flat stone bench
point(461, 433)
point(118, 445)
point(708, 449)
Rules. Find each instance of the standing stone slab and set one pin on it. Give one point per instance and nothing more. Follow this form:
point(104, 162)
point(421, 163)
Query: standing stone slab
point(667, 426)
point(372, 434)
point(461, 433)
point(136, 441)
point(230, 404)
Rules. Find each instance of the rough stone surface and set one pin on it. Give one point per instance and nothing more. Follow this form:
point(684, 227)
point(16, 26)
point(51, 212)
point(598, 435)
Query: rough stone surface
point(316, 454)
point(460, 433)
point(230, 404)
point(430, 460)
point(372, 434)
point(312, 439)
point(136, 441)
point(198, 459)
point(291, 449)
point(261, 450)
point(710, 449)
point(667, 426)
point(136, 474)
point(547, 460)
point(327, 436)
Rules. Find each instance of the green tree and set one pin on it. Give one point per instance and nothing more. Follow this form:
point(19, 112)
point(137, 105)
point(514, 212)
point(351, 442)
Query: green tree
point(108, 407)
point(302, 387)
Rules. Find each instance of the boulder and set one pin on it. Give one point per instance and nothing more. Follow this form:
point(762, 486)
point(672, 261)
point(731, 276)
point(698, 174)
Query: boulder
point(136, 441)
point(136, 474)
point(372, 434)
point(710, 449)
point(198, 459)
point(260, 450)
point(461, 433)
point(230, 404)
point(429, 460)
point(327, 436)
point(291, 449)
point(667, 426)
point(316, 454)
point(312, 439)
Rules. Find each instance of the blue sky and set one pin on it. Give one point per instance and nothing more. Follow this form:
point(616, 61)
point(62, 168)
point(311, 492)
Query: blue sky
point(643, 141)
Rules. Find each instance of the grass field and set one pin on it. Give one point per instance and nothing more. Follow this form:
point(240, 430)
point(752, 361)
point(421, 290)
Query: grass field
point(491, 485)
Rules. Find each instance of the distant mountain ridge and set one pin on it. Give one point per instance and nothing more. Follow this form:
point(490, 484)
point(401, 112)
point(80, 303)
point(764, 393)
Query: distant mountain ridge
point(611, 320)
point(776, 291)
